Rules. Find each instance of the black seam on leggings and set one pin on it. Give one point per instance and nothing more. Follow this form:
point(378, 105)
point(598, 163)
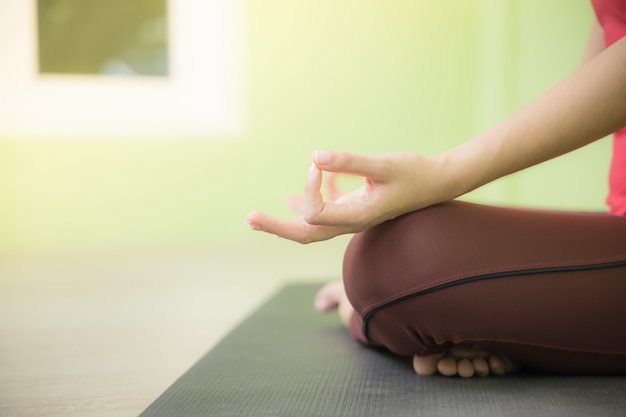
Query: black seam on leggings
point(505, 274)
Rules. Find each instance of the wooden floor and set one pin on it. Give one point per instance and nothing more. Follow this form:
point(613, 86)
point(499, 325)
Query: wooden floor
point(104, 333)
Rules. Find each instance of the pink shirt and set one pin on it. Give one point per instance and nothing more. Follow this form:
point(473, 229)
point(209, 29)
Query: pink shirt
point(612, 16)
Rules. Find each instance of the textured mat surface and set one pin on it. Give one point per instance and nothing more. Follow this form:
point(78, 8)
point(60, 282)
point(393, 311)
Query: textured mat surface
point(287, 360)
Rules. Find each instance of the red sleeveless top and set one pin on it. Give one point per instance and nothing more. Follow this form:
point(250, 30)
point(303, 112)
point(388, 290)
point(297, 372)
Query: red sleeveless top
point(612, 17)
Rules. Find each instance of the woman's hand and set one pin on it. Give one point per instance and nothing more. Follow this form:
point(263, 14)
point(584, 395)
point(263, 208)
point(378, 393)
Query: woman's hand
point(586, 106)
point(395, 184)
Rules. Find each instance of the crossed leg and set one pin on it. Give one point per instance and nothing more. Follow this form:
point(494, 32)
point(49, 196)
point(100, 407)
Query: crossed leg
point(464, 362)
point(469, 289)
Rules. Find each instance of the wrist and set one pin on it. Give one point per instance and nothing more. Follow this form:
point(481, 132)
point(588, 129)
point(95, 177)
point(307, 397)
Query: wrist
point(459, 175)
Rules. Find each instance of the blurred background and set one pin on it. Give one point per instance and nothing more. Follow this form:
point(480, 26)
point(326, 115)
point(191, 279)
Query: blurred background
point(159, 123)
point(135, 136)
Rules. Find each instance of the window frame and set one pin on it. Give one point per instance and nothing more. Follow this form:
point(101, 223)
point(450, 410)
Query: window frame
point(201, 96)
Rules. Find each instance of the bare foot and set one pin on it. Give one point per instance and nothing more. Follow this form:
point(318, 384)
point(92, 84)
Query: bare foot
point(332, 296)
point(464, 362)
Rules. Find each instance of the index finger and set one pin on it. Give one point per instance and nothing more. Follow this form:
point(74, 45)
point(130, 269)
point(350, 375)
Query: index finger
point(363, 165)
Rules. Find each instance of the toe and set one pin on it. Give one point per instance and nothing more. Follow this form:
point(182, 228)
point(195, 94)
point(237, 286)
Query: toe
point(447, 366)
point(497, 365)
point(426, 365)
point(333, 296)
point(481, 367)
point(465, 368)
point(328, 297)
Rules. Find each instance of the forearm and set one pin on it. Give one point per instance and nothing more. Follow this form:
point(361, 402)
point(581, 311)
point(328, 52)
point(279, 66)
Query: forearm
point(586, 106)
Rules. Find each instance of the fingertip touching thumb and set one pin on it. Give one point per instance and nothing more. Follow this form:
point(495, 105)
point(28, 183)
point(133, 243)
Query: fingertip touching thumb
point(346, 162)
point(322, 158)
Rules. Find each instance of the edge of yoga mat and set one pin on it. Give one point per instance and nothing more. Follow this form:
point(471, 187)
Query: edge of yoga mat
point(287, 360)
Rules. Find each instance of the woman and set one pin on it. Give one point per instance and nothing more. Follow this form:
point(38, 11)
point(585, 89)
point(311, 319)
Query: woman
point(470, 289)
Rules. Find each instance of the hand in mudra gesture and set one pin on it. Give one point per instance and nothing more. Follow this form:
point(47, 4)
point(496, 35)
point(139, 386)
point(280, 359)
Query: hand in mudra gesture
point(394, 184)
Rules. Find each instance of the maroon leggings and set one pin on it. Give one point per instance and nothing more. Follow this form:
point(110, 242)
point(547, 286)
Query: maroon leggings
point(546, 288)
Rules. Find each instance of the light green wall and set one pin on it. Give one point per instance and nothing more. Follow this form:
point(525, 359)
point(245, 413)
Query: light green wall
point(544, 43)
point(367, 76)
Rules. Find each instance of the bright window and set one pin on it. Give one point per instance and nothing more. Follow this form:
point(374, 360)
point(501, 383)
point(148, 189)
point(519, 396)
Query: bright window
point(119, 68)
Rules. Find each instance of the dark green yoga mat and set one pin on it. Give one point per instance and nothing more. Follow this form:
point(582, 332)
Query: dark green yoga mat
point(287, 360)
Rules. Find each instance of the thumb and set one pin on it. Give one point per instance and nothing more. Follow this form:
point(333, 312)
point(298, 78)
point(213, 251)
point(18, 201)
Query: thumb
point(363, 165)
